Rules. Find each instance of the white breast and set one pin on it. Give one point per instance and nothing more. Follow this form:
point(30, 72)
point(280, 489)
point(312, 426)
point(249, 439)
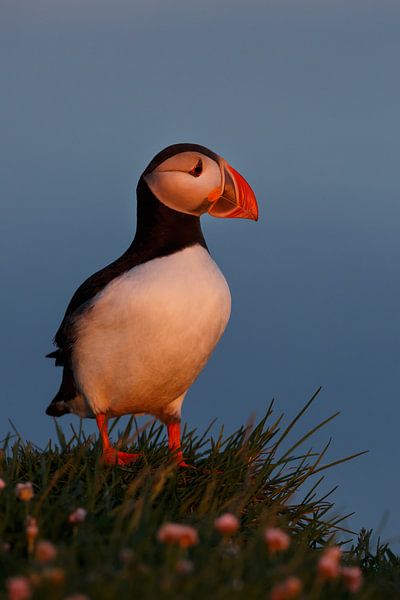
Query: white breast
point(150, 332)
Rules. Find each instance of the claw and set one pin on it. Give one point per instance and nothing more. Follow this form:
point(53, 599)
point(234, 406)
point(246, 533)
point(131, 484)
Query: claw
point(183, 465)
point(110, 455)
point(180, 462)
point(113, 457)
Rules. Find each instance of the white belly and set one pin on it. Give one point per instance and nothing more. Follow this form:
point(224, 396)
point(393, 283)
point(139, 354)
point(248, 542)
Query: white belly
point(150, 332)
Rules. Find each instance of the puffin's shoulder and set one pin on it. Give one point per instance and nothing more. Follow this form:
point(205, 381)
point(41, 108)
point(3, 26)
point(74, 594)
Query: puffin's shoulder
point(81, 300)
point(94, 285)
point(161, 231)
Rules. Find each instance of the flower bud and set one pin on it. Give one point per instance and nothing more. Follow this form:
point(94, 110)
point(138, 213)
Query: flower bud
point(175, 533)
point(32, 531)
point(77, 516)
point(227, 524)
point(24, 491)
point(352, 577)
point(45, 551)
point(276, 540)
point(18, 588)
point(288, 589)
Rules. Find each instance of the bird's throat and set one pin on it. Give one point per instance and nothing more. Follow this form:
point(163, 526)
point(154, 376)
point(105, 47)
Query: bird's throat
point(160, 230)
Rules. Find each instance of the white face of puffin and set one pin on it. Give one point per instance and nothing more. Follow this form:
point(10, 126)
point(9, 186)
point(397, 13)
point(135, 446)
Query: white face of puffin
point(184, 182)
point(193, 183)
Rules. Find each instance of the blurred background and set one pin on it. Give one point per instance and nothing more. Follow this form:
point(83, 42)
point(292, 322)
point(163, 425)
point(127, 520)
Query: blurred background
point(302, 97)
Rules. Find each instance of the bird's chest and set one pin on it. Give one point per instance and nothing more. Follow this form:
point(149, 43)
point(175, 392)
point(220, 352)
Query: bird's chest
point(164, 316)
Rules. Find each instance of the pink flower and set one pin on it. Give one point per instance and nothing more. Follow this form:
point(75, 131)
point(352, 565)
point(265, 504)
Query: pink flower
point(77, 516)
point(333, 552)
point(277, 540)
point(54, 575)
point(45, 551)
point(24, 491)
point(329, 563)
point(175, 533)
point(2, 484)
point(352, 577)
point(227, 524)
point(328, 568)
point(184, 567)
point(18, 588)
point(288, 589)
point(126, 555)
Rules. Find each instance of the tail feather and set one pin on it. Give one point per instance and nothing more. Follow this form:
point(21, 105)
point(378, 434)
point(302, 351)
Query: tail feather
point(66, 393)
point(57, 408)
point(58, 357)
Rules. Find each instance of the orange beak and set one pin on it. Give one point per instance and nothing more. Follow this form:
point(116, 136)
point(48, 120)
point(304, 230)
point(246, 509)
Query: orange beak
point(237, 200)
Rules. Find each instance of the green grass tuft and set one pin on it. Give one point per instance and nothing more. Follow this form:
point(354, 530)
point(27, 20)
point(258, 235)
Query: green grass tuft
point(256, 473)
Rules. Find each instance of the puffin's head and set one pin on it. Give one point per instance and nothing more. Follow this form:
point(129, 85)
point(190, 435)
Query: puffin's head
point(192, 179)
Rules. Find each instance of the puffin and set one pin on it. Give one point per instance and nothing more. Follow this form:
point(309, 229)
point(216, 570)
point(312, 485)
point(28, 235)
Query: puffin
point(137, 333)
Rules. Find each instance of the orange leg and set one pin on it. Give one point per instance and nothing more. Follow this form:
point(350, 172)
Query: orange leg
point(174, 443)
point(111, 456)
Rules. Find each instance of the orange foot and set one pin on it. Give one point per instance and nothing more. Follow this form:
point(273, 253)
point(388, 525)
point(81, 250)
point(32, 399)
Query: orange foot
point(184, 465)
point(180, 461)
point(111, 456)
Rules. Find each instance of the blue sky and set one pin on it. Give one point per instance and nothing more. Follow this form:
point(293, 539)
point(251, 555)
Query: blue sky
point(302, 98)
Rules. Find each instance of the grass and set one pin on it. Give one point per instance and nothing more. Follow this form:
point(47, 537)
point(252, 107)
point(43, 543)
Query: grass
point(256, 473)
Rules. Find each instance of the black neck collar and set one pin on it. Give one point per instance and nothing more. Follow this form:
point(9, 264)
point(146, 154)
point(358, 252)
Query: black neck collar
point(160, 230)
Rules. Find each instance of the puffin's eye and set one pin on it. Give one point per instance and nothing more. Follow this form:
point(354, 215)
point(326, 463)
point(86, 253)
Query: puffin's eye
point(198, 169)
